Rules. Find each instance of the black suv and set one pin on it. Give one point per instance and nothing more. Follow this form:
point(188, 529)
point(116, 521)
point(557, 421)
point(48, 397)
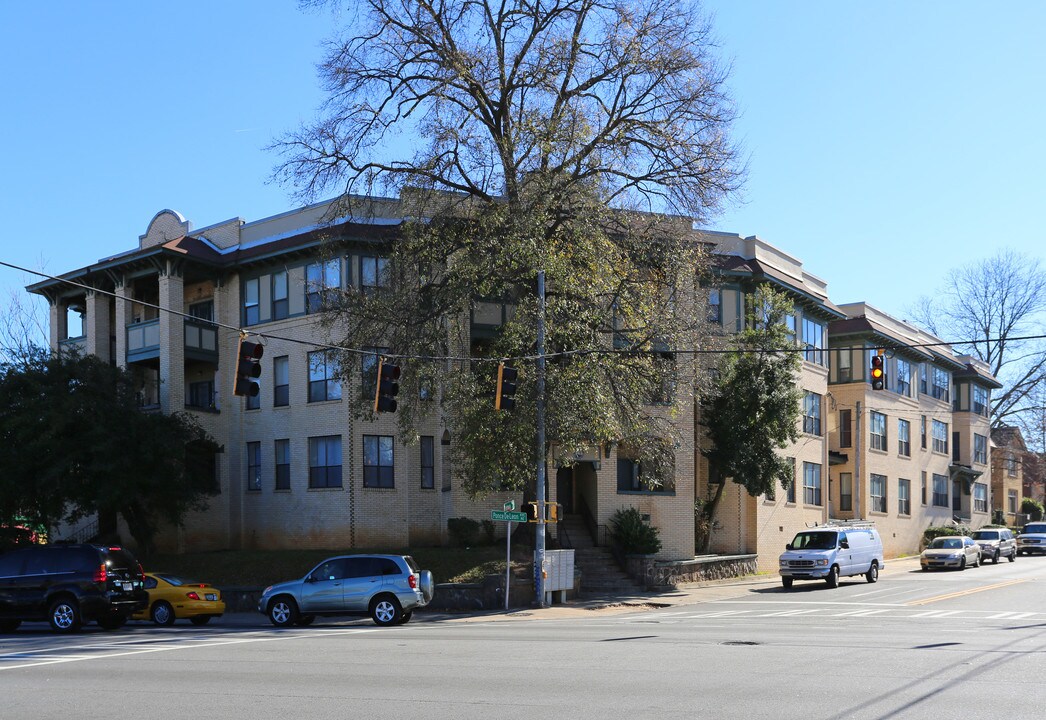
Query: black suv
point(68, 585)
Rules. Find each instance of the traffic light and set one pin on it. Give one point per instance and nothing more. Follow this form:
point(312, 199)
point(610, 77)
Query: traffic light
point(387, 387)
point(878, 371)
point(551, 512)
point(506, 394)
point(248, 367)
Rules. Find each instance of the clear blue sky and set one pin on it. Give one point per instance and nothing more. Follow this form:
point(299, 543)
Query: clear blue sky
point(915, 129)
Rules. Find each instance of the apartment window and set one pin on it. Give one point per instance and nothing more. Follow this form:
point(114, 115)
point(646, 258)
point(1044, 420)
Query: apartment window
point(877, 429)
point(846, 491)
point(320, 277)
point(813, 341)
point(790, 495)
point(250, 302)
point(980, 400)
point(202, 310)
point(280, 307)
point(955, 446)
point(812, 414)
point(940, 490)
point(324, 383)
point(374, 273)
point(254, 466)
point(878, 492)
point(1011, 501)
point(1011, 465)
point(811, 483)
point(904, 438)
point(325, 461)
point(956, 496)
point(941, 381)
point(844, 366)
point(789, 323)
point(904, 378)
point(922, 378)
point(428, 465)
point(201, 394)
point(636, 476)
point(715, 306)
point(378, 462)
point(922, 430)
point(922, 492)
point(283, 464)
point(846, 428)
point(980, 449)
point(904, 497)
point(281, 381)
point(980, 497)
point(940, 437)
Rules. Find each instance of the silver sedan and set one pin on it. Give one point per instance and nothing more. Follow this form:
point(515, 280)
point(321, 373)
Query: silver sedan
point(951, 551)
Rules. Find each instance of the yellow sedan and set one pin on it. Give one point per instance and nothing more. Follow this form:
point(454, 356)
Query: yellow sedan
point(172, 598)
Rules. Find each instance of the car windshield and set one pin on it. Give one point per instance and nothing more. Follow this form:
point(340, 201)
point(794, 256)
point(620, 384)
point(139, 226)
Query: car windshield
point(986, 535)
point(947, 543)
point(1035, 528)
point(814, 541)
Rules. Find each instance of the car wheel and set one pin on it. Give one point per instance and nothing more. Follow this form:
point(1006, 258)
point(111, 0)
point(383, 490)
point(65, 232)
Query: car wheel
point(200, 619)
point(873, 572)
point(787, 582)
point(833, 577)
point(305, 620)
point(995, 558)
point(9, 626)
point(1013, 556)
point(406, 616)
point(283, 612)
point(385, 610)
point(64, 616)
point(962, 563)
point(162, 613)
point(112, 622)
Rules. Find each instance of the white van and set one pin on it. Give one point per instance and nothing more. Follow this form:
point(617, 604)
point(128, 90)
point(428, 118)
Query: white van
point(829, 552)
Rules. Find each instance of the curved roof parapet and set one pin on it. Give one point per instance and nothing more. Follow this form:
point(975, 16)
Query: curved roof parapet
point(166, 225)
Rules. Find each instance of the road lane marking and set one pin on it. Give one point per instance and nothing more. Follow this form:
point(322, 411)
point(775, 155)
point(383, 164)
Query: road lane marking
point(963, 593)
point(169, 646)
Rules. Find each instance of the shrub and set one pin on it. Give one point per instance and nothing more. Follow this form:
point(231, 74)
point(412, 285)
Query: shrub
point(488, 531)
point(1032, 508)
point(463, 531)
point(632, 534)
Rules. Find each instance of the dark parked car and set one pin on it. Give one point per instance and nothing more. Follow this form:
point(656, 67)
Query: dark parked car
point(386, 587)
point(68, 585)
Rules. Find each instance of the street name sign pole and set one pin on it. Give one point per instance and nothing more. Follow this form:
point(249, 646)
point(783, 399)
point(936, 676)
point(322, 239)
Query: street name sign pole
point(509, 515)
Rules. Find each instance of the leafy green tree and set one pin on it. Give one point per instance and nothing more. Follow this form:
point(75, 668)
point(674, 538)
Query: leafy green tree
point(77, 444)
point(545, 136)
point(752, 410)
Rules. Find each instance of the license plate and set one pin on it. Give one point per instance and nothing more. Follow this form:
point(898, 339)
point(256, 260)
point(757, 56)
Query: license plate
point(127, 586)
point(210, 596)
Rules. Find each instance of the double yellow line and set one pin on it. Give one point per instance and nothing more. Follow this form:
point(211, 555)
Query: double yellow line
point(961, 593)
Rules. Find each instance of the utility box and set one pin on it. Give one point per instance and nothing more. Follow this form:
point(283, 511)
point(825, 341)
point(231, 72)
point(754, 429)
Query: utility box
point(559, 572)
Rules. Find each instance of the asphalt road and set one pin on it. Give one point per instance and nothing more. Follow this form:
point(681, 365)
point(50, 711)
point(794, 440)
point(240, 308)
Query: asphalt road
point(966, 644)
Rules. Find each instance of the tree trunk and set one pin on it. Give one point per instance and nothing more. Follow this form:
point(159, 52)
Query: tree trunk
point(710, 509)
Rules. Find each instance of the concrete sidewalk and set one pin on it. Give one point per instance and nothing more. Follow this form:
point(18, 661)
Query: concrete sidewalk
point(690, 594)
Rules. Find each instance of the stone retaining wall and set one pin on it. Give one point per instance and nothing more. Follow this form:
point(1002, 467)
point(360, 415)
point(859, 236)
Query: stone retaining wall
point(655, 574)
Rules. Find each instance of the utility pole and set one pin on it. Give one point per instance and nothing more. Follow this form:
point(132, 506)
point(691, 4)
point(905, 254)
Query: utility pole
point(857, 464)
point(539, 526)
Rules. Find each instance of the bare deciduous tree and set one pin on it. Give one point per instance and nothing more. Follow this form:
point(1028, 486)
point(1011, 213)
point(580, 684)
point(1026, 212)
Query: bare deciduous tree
point(23, 327)
point(995, 310)
point(542, 134)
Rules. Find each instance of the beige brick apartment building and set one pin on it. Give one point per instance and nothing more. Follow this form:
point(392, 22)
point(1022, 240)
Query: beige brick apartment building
point(298, 470)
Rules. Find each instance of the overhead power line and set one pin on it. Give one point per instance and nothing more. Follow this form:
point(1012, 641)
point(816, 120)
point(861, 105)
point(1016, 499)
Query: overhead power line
point(520, 358)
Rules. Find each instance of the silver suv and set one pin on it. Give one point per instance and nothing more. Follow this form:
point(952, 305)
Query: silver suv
point(386, 587)
point(1032, 539)
point(996, 543)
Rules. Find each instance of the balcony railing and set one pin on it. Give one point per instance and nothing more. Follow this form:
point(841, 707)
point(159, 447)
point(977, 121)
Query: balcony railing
point(201, 340)
point(143, 340)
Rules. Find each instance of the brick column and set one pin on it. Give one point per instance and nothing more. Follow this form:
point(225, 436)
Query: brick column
point(123, 317)
point(96, 325)
point(172, 341)
point(57, 323)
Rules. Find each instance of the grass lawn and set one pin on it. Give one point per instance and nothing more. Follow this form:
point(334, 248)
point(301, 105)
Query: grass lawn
point(259, 568)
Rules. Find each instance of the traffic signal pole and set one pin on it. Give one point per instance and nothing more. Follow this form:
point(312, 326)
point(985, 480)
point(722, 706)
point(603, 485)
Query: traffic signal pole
point(539, 526)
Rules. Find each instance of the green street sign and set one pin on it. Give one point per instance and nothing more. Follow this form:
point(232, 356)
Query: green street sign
point(508, 515)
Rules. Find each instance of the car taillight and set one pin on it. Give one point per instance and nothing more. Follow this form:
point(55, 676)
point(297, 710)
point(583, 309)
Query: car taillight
point(101, 575)
point(192, 596)
point(413, 581)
